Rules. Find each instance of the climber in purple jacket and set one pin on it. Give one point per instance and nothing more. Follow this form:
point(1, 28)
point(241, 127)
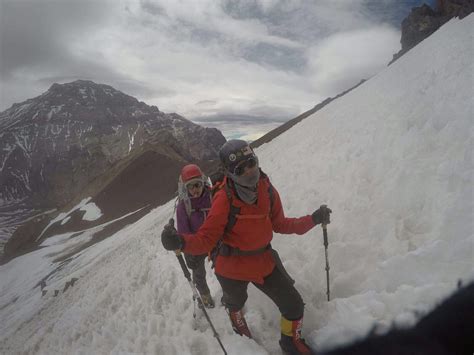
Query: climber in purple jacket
point(192, 210)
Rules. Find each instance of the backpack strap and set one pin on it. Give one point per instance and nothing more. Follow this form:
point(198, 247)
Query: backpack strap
point(233, 211)
point(271, 190)
point(231, 218)
point(271, 194)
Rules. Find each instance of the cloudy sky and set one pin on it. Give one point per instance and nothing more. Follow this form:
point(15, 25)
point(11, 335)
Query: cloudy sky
point(243, 66)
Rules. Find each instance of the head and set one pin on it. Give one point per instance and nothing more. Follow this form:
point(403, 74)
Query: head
point(240, 162)
point(193, 179)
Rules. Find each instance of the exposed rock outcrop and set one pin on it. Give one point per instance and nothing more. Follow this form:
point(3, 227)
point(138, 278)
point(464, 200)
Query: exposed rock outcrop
point(423, 21)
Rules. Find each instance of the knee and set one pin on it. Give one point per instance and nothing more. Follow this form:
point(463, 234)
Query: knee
point(234, 293)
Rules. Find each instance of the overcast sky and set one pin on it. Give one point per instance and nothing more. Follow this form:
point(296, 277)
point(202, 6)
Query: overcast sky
point(243, 66)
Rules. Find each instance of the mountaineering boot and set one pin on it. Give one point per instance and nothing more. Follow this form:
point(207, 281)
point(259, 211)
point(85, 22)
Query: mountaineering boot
point(207, 300)
point(238, 323)
point(291, 342)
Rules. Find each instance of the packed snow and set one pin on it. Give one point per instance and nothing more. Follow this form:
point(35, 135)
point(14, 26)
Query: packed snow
point(92, 213)
point(393, 159)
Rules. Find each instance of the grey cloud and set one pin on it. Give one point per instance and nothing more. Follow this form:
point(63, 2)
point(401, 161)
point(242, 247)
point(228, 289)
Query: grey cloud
point(207, 102)
point(302, 21)
point(36, 34)
point(288, 59)
point(242, 9)
point(36, 39)
point(180, 29)
point(153, 8)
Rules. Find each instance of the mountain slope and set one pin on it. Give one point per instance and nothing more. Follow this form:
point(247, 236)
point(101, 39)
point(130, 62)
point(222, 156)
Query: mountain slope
point(392, 158)
point(287, 125)
point(56, 146)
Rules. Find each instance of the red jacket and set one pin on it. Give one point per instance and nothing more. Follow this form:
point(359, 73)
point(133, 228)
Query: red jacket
point(253, 230)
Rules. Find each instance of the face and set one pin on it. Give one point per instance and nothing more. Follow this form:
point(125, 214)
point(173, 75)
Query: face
point(246, 167)
point(246, 173)
point(250, 170)
point(195, 188)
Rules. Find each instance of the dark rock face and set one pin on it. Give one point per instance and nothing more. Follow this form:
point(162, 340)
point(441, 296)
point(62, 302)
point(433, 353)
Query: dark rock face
point(423, 21)
point(455, 8)
point(52, 146)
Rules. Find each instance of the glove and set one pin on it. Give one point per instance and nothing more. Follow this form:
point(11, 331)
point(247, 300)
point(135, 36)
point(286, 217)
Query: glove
point(321, 215)
point(170, 238)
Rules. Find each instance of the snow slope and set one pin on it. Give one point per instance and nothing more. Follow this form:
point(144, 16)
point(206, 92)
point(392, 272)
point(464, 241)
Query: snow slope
point(393, 159)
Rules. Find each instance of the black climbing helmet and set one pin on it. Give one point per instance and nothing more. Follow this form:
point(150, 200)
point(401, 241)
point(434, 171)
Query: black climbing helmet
point(235, 151)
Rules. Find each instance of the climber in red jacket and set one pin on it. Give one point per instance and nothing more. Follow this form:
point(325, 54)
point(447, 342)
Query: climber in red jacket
point(246, 210)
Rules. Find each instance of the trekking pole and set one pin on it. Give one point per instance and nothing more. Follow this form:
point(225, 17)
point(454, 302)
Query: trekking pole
point(174, 209)
point(325, 234)
point(196, 294)
point(171, 221)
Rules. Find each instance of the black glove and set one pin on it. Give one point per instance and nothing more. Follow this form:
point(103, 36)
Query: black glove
point(170, 238)
point(321, 215)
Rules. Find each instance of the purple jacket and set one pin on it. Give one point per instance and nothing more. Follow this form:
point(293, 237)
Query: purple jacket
point(191, 225)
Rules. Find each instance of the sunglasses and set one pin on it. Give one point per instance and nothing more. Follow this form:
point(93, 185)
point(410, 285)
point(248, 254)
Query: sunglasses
point(249, 163)
point(195, 185)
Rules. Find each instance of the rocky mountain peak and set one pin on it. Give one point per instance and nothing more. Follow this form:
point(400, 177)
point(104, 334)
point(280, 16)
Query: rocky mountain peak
point(88, 93)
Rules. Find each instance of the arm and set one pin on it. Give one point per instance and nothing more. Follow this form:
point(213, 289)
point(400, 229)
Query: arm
point(211, 230)
point(182, 220)
point(285, 225)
